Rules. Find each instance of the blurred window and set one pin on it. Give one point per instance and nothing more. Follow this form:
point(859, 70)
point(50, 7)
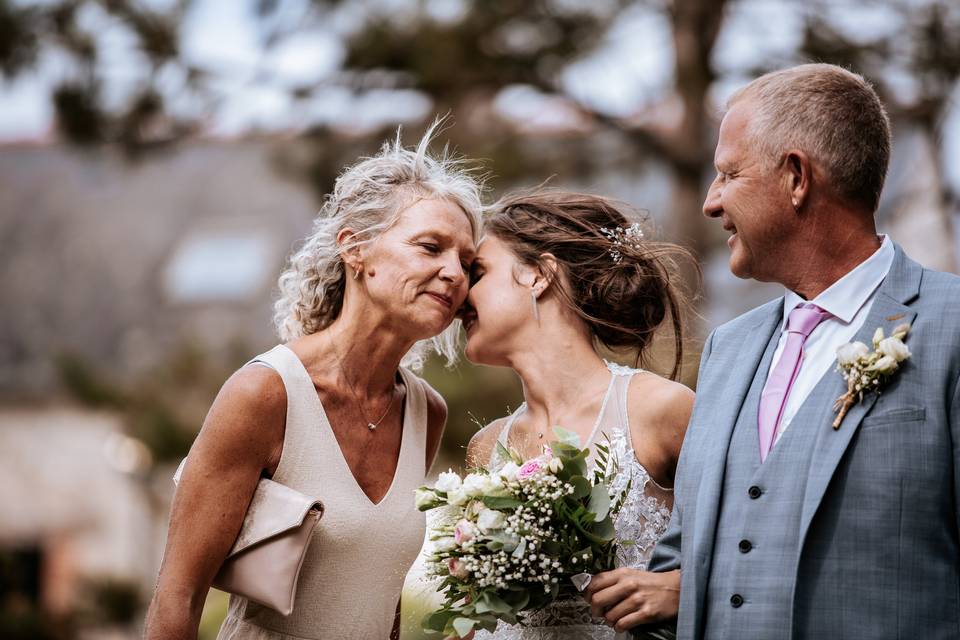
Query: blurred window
point(218, 266)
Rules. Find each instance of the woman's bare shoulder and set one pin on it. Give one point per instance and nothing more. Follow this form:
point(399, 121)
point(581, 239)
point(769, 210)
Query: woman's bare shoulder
point(247, 419)
point(660, 408)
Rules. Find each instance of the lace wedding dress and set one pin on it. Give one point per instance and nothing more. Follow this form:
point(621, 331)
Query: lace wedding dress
point(640, 524)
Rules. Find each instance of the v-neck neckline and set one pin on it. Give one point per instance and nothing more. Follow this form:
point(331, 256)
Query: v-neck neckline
point(328, 427)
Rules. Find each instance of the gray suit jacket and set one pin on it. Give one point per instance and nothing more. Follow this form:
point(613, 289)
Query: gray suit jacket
point(879, 555)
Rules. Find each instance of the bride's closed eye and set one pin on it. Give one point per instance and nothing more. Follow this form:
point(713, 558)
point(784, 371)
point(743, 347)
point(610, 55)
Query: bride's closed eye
point(475, 274)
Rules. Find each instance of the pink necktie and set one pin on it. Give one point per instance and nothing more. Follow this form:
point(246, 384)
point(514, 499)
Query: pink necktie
point(800, 323)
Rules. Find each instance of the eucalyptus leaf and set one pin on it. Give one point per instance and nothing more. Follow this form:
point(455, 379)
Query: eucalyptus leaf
point(599, 501)
point(463, 626)
point(437, 621)
point(581, 487)
point(566, 436)
point(500, 503)
point(491, 602)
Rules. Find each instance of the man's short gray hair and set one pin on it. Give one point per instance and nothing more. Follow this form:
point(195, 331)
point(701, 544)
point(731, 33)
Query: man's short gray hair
point(833, 115)
point(368, 198)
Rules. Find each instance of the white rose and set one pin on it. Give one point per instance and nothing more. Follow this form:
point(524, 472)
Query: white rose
point(509, 471)
point(475, 484)
point(448, 481)
point(426, 499)
point(446, 543)
point(886, 364)
point(457, 497)
point(494, 486)
point(490, 519)
point(848, 354)
point(895, 348)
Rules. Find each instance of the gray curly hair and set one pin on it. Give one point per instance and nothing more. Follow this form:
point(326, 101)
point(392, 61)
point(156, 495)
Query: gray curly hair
point(368, 198)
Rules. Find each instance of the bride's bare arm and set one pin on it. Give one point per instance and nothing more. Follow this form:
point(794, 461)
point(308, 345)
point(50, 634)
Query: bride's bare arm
point(241, 438)
point(659, 412)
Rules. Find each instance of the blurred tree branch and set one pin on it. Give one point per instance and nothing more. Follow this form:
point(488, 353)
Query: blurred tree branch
point(464, 60)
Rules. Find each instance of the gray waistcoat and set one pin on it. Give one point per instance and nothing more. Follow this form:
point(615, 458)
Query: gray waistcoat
point(750, 590)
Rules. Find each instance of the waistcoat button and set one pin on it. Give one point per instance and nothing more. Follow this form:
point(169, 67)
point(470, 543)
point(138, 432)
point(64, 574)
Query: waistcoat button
point(745, 546)
point(754, 492)
point(736, 601)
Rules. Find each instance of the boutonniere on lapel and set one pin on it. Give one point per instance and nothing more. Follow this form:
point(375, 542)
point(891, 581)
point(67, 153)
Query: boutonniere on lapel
point(866, 370)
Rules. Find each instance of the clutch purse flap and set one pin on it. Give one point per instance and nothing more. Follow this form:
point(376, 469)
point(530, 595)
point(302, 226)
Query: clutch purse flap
point(274, 508)
point(267, 573)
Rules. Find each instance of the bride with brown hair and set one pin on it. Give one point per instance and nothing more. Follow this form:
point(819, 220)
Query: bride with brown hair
point(555, 274)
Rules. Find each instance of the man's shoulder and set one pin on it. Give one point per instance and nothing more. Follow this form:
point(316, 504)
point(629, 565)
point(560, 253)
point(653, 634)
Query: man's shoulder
point(939, 287)
point(748, 321)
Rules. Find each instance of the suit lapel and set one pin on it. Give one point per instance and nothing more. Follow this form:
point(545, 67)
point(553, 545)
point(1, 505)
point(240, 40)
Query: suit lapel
point(889, 310)
point(740, 360)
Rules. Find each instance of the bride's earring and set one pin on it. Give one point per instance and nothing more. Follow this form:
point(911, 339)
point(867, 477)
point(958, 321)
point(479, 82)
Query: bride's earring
point(536, 310)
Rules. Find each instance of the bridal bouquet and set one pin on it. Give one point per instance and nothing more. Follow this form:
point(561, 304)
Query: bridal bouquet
point(519, 537)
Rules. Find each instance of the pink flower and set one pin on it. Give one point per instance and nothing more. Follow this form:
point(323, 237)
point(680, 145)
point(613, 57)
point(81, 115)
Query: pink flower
point(457, 568)
point(463, 532)
point(530, 468)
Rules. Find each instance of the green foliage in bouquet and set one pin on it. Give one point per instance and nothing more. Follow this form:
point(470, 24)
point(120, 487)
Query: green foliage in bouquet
point(514, 537)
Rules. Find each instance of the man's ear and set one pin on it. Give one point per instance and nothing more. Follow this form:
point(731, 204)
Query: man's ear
point(350, 253)
point(798, 177)
point(545, 274)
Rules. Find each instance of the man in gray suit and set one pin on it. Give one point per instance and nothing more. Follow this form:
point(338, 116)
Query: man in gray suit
point(784, 527)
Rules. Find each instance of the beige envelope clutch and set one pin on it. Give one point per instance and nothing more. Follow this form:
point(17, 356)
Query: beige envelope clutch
point(264, 563)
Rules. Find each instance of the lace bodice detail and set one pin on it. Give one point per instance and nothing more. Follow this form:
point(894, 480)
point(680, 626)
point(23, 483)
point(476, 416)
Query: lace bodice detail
point(645, 515)
point(641, 522)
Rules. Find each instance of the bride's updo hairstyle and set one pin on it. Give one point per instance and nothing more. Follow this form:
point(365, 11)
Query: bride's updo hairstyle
point(614, 278)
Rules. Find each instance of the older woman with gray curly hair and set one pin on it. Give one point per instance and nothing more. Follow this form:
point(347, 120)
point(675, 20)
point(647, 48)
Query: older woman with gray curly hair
point(335, 412)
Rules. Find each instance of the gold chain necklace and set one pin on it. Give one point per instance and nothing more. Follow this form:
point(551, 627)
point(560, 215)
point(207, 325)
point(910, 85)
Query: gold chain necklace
point(372, 426)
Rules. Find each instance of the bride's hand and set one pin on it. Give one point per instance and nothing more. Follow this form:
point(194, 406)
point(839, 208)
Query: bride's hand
point(628, 597)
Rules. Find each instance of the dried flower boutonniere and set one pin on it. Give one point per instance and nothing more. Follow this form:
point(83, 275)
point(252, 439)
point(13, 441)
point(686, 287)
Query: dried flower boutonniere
point(866, 370)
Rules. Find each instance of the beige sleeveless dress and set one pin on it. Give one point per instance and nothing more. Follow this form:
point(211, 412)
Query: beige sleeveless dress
point(355, 567)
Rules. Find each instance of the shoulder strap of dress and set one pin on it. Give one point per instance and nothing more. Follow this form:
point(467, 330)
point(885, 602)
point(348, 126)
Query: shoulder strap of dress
point(621, 388)
point(306, 419)
point(417, 392)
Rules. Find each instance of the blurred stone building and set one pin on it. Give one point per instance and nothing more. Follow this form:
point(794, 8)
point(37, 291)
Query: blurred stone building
point(111, 273)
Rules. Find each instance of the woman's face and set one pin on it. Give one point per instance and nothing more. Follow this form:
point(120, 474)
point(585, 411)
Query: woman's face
point(418, 269)
point(499, 303)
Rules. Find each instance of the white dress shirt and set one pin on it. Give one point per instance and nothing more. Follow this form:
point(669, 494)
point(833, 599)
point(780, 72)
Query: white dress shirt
point(849, 300)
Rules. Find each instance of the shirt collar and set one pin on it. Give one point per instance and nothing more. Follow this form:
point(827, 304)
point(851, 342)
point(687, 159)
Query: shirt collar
point(844, 298)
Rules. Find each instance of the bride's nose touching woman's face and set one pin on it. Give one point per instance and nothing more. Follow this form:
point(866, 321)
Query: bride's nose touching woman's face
point(418, 270)
point(499, 306)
